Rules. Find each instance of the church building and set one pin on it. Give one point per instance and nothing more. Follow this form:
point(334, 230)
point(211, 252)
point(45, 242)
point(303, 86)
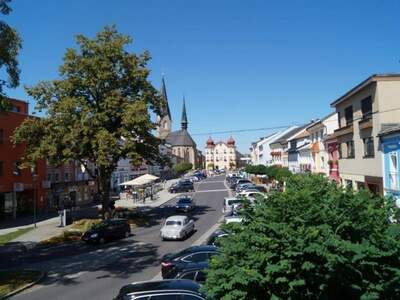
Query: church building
point(180, 141)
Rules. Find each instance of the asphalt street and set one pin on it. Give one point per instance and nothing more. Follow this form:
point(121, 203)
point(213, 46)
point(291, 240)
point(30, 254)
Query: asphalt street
point(100, 274)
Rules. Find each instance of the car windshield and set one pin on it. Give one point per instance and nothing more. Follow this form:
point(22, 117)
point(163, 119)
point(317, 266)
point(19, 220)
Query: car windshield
point(185, 200)
point(173, 223)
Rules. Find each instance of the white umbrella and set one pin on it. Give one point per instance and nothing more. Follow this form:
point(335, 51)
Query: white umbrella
point(141, 180)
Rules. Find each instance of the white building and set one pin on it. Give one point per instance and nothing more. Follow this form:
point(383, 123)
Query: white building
point(261, 150)
point(222, 155)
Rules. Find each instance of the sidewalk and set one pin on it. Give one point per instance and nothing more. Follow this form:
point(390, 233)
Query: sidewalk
point(159, 199)
point(48, 228)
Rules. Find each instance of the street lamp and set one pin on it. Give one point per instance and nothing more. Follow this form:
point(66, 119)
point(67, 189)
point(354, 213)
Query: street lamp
point(34, 177)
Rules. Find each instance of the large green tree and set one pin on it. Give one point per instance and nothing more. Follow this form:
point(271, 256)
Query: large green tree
point(10, 45)
point(97, 112)
point(313, 241)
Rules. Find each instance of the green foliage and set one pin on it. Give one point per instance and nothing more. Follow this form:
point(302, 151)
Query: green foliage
point(256, 169)
point(183, 168)
point(313, 241)
point(282, 174)
point(10, 45)
point(98, 112)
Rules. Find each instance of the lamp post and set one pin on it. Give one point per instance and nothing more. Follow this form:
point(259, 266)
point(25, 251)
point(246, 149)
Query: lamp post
point(34, 177)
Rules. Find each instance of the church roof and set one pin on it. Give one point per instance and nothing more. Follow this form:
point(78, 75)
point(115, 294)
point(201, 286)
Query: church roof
point(180, 138)
point(164, 105)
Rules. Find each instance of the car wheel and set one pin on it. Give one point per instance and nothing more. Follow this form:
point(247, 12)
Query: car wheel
point(127, 234)
point(102, 241)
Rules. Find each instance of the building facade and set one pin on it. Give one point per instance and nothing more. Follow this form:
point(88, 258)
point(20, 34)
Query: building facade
point(361, 112)
point(331, 146)
point(390, 138)
point(279, 147)
point(222, 155)
point(319, 152)
point(260, 151)
point(20, 188)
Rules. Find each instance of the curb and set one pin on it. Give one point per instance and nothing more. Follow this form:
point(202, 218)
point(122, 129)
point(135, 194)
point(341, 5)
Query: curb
point(17, 291)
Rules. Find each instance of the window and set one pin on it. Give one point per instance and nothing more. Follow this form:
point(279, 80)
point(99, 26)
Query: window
point(393, 170)
point(340, 151)
point(17, 168)
point(66, 176)
point(260, 148)
point(1, 136)
point(1, 168)
point(197, 257)
point(322, 162)
point(360, 185)
point(348, 115)
point(201, 277)
point(15, 108)
point(349, 184)
point(166, 297)
point(56, 177)
point(369, 147)
point(366, 108)
point(189, 275)
point(350, 149)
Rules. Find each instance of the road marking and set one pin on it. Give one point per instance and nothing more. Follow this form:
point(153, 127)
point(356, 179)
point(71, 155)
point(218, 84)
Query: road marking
point(209, 191)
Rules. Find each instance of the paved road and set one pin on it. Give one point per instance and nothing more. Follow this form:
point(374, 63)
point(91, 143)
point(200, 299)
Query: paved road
point(99, 274)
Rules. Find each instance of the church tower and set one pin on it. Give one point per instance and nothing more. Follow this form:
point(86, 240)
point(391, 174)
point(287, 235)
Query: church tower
point(164, 120)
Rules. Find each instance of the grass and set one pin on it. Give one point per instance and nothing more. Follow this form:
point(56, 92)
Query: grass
point(75, 231)
point(5, 238)
point(12, 280)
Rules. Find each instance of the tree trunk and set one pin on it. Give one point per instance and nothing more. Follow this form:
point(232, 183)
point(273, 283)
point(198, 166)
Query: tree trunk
point(104, 185)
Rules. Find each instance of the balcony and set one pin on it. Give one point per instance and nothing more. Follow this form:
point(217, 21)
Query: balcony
point(365, 123)
point(344, 130)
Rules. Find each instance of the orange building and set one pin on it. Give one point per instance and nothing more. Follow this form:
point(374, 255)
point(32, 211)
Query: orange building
point(17, 185)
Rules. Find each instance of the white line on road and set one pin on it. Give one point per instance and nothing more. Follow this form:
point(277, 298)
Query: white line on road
point(209, 191)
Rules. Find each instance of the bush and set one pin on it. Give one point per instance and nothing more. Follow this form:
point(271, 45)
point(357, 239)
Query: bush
point(256, 170)
point(183, 168)
point(313, 241)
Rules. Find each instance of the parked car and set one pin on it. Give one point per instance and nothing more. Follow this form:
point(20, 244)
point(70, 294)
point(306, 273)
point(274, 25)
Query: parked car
point(201, 175)
point(107, 231)
point(176, 228)
point(261, 188)
point(185, 204)
point(193, 272)
point(215, 236)
point(231, 202)
point(239, 181)
point(182, 186)
point(242, 186)
point(173, 263)
point(161, 290)
point(233, 216)
point(253, 193)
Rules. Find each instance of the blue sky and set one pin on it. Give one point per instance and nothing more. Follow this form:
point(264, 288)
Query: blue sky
point(240, 64)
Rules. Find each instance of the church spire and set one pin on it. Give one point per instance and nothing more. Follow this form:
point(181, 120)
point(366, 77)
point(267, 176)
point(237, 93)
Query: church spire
point(164, 105)
point(184, 122)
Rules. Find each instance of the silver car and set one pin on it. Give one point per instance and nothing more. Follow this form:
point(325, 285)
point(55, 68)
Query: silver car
point(176, 228)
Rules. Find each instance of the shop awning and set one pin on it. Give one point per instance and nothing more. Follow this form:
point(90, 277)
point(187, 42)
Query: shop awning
point(141, 180)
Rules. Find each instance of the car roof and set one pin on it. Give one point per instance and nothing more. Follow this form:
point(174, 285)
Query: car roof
point(218, 232)
point(176, 218)
point(161, 285)
point(198, 248)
